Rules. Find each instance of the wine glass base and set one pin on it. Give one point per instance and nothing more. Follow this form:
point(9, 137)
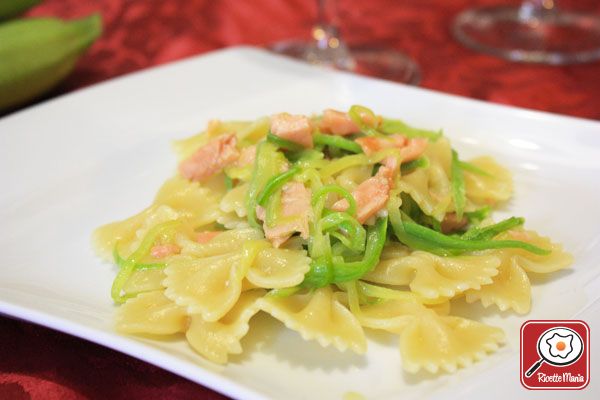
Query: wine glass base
point(375, 62)
point(552, 37)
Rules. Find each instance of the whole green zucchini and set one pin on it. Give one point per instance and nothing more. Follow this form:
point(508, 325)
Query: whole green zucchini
point(37, 53)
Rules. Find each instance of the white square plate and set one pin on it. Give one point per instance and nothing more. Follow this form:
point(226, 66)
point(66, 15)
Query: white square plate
point(99, 154)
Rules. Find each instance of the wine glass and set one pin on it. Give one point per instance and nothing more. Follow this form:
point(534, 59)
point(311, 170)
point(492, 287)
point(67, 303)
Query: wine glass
point(327, 48)
point(536, 31)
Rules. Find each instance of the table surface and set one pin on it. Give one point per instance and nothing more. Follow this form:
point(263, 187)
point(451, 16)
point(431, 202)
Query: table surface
point(38, 363)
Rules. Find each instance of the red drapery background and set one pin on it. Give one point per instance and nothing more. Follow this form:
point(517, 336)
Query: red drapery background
point(37, 363)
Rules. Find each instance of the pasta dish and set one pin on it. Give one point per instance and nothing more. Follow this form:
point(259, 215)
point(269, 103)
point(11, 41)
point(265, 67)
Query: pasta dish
point(334, 224)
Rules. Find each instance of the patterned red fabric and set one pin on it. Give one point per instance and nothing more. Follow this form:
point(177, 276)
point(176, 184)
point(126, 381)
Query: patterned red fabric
point(37, 363)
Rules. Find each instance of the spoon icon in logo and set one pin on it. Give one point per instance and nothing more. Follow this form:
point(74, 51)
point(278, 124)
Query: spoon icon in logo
point(559, 347)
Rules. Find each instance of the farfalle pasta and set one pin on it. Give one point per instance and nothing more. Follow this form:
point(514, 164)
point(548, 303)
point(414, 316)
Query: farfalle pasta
point(433, 276)
point(334, 224)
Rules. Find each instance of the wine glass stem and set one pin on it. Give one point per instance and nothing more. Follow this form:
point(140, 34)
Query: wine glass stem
point(328, 47)
point(321, 13)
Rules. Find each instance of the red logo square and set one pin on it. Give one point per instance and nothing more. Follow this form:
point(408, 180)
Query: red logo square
point(555, 354)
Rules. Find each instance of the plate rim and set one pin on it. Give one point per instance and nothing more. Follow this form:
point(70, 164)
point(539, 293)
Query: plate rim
point(124, 344)
point(263, 52)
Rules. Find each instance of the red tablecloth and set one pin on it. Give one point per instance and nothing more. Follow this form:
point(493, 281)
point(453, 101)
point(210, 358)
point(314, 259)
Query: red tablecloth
point(38, 363)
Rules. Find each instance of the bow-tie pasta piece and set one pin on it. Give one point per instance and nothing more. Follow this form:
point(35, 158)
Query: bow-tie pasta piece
point(541, 264)
point(177, 199)
point(144, 280)
point(432, 277)
point(129, 233)
point(207, 278)
point(448, 276)
point(439, 152)
point(430, 189)
point(151, 313)
point(232, 221)
point(217, 339)
point(432, 342)
point(209, 286)
point(491, 189)
point(391, 269)
point(318, 316)
point(247, 285)
point(390, 315)
point(393, 315)
point(253, 131)
point(197, 203)
point(510, 289)
point(233, 208)
point(440, 308)
point(225, 242)
point(235, 201)
point(278, 268)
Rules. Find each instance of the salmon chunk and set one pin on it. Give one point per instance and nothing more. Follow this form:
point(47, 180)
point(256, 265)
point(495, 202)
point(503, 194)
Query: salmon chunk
point(295, 128)
point(340, 123)
point(389, 168)
point(371, 196)
point(295, 208)
point(164, 250)
point(371, 144)
point(210, 158)
point(206, 236)
point(410, 149)
point(247, 156)
point(413, 149)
